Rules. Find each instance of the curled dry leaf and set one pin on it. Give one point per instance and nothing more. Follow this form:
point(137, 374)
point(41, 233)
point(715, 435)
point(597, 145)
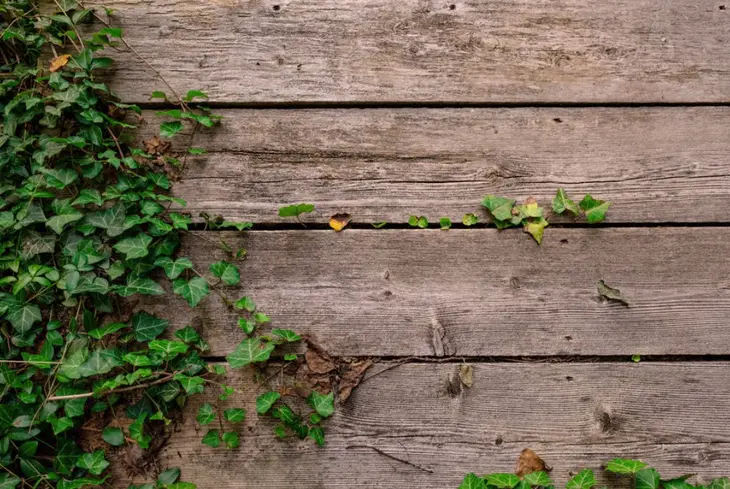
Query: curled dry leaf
point(466, 375)
point(529, 462)
point(59, 62)
point(611, 294)
point(338, 222)
point(156, 146)
point(352, 377)
point(318, 360)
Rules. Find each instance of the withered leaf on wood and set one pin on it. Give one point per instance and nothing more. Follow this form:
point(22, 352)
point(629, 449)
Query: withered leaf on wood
point(466, 375)
point(352, 377)
point(529, 462)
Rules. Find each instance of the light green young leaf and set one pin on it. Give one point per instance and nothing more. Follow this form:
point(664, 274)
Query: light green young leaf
point(470, 219)
point(535, 227)
point(168, 348)
point(539, 479)
point(246, 303)
point(295, 210)
point(227, 272)
point(562, 203)
point(287, 334)
point(192, 291)
point(445, 223)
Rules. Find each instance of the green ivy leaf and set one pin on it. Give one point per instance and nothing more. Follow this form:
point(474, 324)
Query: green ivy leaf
point(135, 247)
point(187, 334)
point(418, 221)
point(323, 404)
point(266, 401)
point(193, 291)
point(231, 439)
point(499, 207)
point(111, 328)
point(206, 414)
point(250, 350)
point(647, 478)
point(173, 268)
point(147, 327)
point(139, 285)
point(624, 466)
point(595, 210)
point(95, 462)
point(169, 349)
point(212, 438)
point(470, 219)
point(169, 129)
point(246, 303)
point(287, 334)
point(169, 476)
point(538, 479)
point(445, 223)
point(295, 210)
point(562, 203)
point(502, 481)
point(226, 272)
point(720, 483)
point(88, 196)
point(585, 479)
point(472, 481)
point(234, 415)
point(23, 316)
point(112, 220)
point(8, 482)
point(113, 436)
point(536, 228)
point(317, 434)
point(192, 385)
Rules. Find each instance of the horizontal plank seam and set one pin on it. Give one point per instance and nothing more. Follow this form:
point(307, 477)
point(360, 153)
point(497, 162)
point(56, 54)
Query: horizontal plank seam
point(493, 359)
point(319, 226)
point(297, 105)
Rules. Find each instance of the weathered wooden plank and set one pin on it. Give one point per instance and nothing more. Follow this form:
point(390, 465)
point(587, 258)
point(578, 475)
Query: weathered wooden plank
point(574, 415)
point(476, 292)
point(656, 165)
point(428, 50)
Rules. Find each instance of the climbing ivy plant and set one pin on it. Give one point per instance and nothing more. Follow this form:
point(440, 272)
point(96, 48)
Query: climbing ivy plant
point(85, 224)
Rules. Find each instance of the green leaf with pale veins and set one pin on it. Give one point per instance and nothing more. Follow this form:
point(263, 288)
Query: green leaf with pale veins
point(595, 210)
point(169, 129)
point(168, 348)
point(323, 404)
point(187, 334)
point(585, 479)
point(23, 316)
point(720, 483)
point(206, 414)
point(502, 481)
point(250, 350)
point(445, 223)
point(234, 415)
point(147, 327)
point(473, 481)
point(8, 481)
point(231, 439)
point(89, 196)
point(173, 268)
point(535, 227)
point(95, 462)
point(191, 384)
point(624, 466)
point(227, 272)
point(562, 203)
point(134, 247)
point(139, 285)
point(193, 291)
point(539, 479)
point(212, 438)
point(647, 478)
point(246, 303)
point(112, 220)
point(499, 207)
point(287, 334)
point(266, 401)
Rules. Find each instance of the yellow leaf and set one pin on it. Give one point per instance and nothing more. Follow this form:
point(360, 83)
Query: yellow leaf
point(59, 62)
point(536, 227)
point(338, 222)
point(466, 374)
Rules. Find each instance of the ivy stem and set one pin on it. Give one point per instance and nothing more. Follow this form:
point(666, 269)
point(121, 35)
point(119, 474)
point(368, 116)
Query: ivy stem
point(81, 41)
point(164, 379)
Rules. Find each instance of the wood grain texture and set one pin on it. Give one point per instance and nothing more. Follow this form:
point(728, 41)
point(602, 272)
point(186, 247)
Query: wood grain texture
point(476, 292)
point(427, 50)
point(655, 164)
point(573, 415)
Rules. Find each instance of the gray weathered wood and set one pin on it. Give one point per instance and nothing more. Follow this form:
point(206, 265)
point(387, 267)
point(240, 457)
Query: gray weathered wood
point(574, 415)
point(423, 50)
point(476, 292)
point(656, 165)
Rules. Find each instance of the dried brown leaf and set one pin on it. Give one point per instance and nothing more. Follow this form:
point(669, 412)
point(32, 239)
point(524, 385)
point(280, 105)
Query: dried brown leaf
point(338, 222)
point(352, 377)
point(466, 375)
point(529, 462)
point(611, 294)
point(59, 62)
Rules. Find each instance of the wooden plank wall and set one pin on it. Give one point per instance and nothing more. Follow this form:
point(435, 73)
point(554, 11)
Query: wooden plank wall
point(387, 108)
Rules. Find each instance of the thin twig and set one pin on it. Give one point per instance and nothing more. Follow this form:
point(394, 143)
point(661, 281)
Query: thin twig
point(115, 391)
point(34, 362)
point(73, 26)
point(393, 457)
